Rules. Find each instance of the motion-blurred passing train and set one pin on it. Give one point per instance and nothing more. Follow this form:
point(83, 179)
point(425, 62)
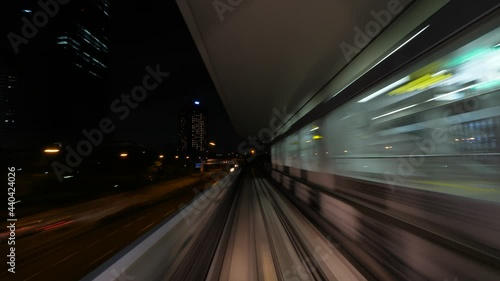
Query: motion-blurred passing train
point(403, 164)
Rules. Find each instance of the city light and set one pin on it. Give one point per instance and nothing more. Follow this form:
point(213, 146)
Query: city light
point(197, 102)
point(211, 143)
point(123, 154)
point(176, 156)
point(161, 156)
point(187, 157)
point(444, 96)
point(385, 89)
point(395, 111)
point(422, 83)
point(51, 150)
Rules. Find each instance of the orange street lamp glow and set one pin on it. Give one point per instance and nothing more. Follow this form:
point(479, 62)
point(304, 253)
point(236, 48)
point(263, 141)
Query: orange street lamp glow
point(123, 154)
point(51, 150)
point(161, 156)
point(212, 143)
point(176, 156)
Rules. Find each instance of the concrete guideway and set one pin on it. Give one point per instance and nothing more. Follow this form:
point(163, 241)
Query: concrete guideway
point(271, 240)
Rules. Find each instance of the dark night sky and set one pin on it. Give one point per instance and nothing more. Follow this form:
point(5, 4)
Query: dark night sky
point(152, 32)
point(142, 33)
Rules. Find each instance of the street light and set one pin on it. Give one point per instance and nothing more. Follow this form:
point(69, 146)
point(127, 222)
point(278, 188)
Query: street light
point(212, 143)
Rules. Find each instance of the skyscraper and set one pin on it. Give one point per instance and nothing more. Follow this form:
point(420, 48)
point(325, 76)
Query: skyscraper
point(83, 37)
point(8, 106)
point(193, 129)
point(63, 69)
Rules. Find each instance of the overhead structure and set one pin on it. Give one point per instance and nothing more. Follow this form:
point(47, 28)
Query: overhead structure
point(282, 58)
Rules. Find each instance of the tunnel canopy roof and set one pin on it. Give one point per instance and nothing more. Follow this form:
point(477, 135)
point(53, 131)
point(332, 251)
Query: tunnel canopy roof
point(282, 54)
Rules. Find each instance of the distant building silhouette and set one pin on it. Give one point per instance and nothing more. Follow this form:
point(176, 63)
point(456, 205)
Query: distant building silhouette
point(9, 96)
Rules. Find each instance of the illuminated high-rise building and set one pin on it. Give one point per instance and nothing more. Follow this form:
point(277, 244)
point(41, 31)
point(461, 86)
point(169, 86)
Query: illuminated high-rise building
point(65, 68)
point(193, 129)
point(83, 38)
point(56, 81)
